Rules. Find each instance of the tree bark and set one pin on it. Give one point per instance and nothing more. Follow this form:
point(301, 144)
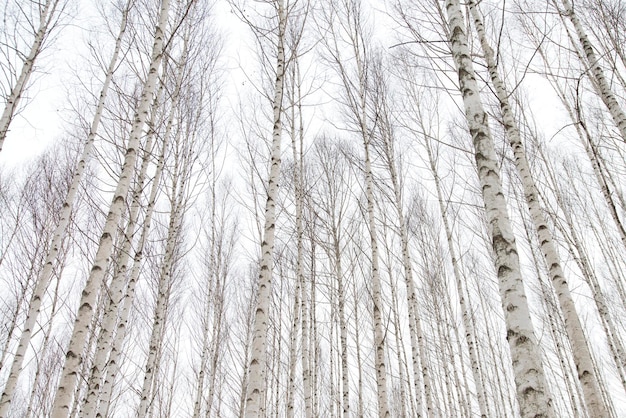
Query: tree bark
point(34, 307)
point(256, 384)
point(600, 83)
point(46, 16)
point(531, 388)
point(63, 398)
point(580, 349)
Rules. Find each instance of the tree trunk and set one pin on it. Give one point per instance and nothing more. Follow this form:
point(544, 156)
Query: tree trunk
point(580, 349)
point(63, 398)
point(43, 281)
point(256, 384)
point(531, 387)
point(600, 83)
point(46, 16)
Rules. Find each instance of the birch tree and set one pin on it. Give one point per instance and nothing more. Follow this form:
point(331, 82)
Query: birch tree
point(73, 360)
point(44, 278)
point(386, 146)
point(354, 81)
point(599, 81)
point(580, 349)
point(530, 381)
point(43, 19)
point(256, 384)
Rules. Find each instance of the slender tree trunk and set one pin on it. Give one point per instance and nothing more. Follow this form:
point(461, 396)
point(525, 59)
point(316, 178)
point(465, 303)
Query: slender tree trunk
point(305, 356)
point(532, 392)
point(600, 84)
point(298, 153)
point(115, 294)
point(163, 293)
point(343, 332)
point(113, 365)
point(43, 352)
point(73, 360)
point(256, 385)
point(379, 332)
point(418, 345)
point(116, 290)
point(580, 349)
point(46, 16)
point(43, 281)
point(466, 315)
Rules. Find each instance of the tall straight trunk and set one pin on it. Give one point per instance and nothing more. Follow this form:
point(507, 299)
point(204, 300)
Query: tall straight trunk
point(399, 348)
point(210, 297)
point(343, 331)
point(112, 366)
point(216, 348)
point(466, 314)
point(305, 356)
point(43, 281)
point(359, 356)
point(418, 344)
point(293, 344)
point(46, 19)
point(256, 385)
point(379, 332)
point(73, 359)
point(553, 318)
point(600, 83)
point(297, 137)
point(602, 175)
point(163, 292)
point(246, 349)
point(115, 294)
point(531, 387)
point(573, 326)
point(116, 290)
point(314, 345)
point(578, 252)
point(44, 351)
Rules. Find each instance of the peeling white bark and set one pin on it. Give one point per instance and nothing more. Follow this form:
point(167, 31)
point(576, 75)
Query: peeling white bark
point(256, 384)
point(73, 360)
point(573, 326)
point(34, 307)
point(532, 392)
point(601, 84)
point(46, 19)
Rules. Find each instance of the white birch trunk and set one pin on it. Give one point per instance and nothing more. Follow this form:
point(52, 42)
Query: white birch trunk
point(173, 232)
point(580, 349)
point(46, 16)
point(256, 384)
point(418, 344)
point(358, 105)
point(115, 294)
point(306, 369)
point(63, 398)
point(298, 197)
point(379, 332)
point(531, 388)
point(113, 365)
point(592, 152)
point(116, 289)
point(601, 85)
point(43, 281)
point(343, 333)
point(213, 271)
point(470, 332)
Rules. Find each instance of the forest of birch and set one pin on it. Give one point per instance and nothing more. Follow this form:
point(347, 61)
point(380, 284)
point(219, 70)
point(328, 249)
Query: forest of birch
point(312, 208)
